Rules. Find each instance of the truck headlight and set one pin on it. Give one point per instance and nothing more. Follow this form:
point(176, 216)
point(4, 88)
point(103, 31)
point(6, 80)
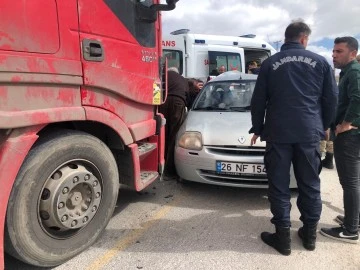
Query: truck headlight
point(191, 140)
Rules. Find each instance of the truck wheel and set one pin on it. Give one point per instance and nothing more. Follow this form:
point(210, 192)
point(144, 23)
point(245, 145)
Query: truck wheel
point(63, 197)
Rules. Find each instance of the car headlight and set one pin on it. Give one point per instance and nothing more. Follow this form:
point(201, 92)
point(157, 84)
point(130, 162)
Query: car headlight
point(191, 140)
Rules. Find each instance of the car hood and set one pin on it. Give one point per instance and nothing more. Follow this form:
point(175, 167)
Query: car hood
point(221, 128)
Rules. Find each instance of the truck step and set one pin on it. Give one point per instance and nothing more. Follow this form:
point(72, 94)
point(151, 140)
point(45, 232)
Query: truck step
point(146, 148)
point(147, 176)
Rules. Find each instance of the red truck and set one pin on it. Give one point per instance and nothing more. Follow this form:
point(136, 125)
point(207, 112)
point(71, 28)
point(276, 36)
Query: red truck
point(80, 83)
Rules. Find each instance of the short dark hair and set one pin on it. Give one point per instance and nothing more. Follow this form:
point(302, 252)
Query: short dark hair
point(252, 63)
point(351, 42)
point(295, 30)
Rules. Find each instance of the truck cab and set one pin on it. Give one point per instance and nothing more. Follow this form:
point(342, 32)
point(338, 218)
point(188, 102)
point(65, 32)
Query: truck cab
point(80, 86)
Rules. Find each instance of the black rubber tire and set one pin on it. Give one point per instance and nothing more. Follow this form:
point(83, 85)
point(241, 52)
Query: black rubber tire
point(25, 239)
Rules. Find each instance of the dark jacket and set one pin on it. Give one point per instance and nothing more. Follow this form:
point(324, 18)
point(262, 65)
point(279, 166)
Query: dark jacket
point(254, 70)
point(191, 96)
point(349, 96)
point(177, 85)
point(296, 89)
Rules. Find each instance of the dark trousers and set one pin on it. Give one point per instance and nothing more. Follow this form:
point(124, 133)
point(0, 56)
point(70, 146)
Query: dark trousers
point(306, 161)
point(347, 158)
point(174, 112)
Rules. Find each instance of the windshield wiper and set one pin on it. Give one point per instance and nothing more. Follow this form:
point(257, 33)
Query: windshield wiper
point(241, 109)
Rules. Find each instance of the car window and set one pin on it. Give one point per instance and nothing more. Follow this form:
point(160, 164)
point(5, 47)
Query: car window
point(222, 95)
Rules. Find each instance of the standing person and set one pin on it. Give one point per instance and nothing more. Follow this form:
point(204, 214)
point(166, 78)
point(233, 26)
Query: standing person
point(296, 89)
point(347, 141)
point(174, 111)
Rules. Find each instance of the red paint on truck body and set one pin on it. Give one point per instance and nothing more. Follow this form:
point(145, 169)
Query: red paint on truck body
point(45, 79)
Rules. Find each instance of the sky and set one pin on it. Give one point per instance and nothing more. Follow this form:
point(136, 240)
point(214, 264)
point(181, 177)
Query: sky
point(267, 19)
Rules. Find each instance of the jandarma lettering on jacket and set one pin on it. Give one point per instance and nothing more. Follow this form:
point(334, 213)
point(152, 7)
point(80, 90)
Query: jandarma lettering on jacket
point(288, 59)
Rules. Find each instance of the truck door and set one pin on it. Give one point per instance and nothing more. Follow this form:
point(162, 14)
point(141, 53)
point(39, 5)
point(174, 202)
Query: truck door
point(40, 65)
point(119, 55)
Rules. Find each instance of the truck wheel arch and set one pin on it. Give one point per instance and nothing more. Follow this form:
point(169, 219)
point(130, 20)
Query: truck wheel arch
point(111, 120)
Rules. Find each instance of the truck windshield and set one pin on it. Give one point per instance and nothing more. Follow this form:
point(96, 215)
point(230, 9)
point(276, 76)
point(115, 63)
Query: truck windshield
point(234, 96)
point(231, 61)
point(127, 12)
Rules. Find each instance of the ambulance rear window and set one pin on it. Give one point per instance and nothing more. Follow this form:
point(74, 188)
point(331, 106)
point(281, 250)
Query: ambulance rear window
point(231, 61)
point(174, 59)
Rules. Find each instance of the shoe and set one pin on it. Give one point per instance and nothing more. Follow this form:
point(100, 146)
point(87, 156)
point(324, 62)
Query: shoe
point(340, 219)
point(308, 236)
point(340, 234)
point(328, 162)
point(280, 240)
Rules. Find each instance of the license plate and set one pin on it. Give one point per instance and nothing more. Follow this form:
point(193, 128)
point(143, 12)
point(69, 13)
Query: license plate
point(240, 168)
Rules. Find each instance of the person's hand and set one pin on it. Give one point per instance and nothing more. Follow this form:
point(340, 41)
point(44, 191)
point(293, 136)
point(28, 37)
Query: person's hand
point(344, 126)
point(327, 134)
point(200, 85)
point(253, 139)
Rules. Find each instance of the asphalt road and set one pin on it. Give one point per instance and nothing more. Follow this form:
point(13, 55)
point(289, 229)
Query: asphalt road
point(195, 226)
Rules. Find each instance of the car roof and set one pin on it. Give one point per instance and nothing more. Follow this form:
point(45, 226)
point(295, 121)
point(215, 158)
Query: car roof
point(234, 76)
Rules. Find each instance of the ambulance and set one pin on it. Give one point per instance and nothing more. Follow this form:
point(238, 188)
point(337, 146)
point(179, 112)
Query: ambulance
point(200, 56)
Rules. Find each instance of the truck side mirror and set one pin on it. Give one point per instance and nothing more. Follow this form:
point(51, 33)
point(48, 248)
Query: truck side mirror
point(149, 14)
point(170, 5)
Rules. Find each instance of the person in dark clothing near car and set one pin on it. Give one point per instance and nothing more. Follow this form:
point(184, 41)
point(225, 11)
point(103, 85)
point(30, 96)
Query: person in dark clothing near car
point(297, 92)
point(347, 141)
point(174, 112)
point(195, 86)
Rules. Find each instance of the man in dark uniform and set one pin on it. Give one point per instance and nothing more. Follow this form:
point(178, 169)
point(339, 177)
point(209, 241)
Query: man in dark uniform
point(296, 89)
point(174, 112)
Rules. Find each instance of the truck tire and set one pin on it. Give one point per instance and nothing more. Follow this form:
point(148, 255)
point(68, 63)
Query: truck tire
point(62, 199)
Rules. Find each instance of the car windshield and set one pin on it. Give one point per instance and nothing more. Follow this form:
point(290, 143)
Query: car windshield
point(223, 95)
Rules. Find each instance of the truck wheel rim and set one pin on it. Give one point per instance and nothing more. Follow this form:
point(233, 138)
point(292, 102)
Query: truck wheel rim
point(70, 198)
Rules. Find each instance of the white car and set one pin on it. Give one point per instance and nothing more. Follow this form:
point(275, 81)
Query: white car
point(213, 144)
